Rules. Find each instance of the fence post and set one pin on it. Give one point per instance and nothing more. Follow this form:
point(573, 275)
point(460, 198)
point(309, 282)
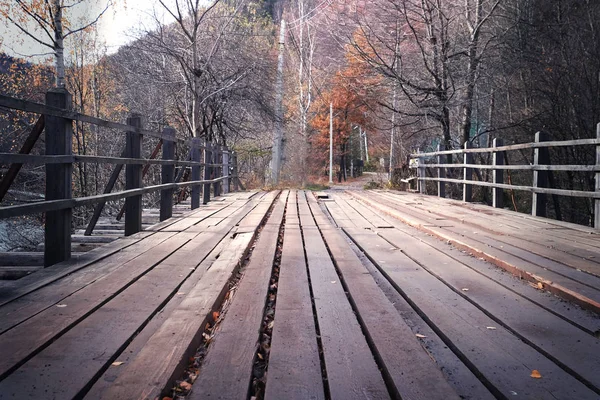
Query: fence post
point(597, 200)
point(207, 161)
point(541, 156)
point(420, 173)
point(195, 157)
point(216, 160)
point(234, 172)
point(167, 174)
point(226, 170)
point(59, 141)
point(133, 177)
point(441, 172)
point(468, 175)
point(498, 175)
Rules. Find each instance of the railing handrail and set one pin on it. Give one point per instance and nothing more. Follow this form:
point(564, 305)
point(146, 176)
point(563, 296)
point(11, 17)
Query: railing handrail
point(38, 108)
point(541, 168)
point(520, 146)
point(220, 170)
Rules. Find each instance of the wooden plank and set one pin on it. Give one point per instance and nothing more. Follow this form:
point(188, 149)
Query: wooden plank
point(26, 339)
point(294, 371)
point(414, 374)
point(351, 369)
point(48, 275)
point(502, 360)
point(163, 357)
point(17, 272)
point(547, 333)
point(133, 349)
point(21, 258)
point(227, 369)
point(582, 319)
point(25, 307)
point(544, 243)
point(557, 284)
point(525, 248)
point(89, 347)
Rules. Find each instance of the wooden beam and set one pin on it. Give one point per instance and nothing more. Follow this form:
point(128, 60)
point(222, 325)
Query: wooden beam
point(133, 178)
point(14, 169)
point(498, 176)
point(167, 174)
point(59, 140)
point(541, 156)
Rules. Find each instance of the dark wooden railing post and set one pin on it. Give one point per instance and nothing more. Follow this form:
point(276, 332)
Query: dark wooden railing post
point(226, 170)
point(195, 157)
point(59, 141)
point(541, 156)
point(597, 200)
point(133, 177)
point(468, 175)
point(234, 171)
point(207, 169)
point(441, 172)
point(167, 174)
point(498, 175)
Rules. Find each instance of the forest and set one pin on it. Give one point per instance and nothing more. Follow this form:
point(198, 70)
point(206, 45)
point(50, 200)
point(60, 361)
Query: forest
point(396, 75)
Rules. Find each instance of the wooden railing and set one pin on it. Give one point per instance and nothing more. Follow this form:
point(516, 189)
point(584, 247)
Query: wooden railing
point(219, 166)
point(540, 167)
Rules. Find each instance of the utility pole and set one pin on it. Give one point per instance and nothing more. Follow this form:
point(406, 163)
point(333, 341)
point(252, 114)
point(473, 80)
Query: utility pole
point(366, 146)
point(330, 142)
point(277, 152)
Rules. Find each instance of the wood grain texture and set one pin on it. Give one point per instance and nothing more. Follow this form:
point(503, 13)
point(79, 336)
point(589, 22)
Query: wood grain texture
point(294, 368)
point(351, 369)
point(227, 368)
point(500, 358)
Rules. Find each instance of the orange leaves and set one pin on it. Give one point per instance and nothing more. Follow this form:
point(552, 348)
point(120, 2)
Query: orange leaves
point(536, 374)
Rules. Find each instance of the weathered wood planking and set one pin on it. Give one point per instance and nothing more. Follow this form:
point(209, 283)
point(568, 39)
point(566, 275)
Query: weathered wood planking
point(556, 249)
point(294, 371)
point(26, 339)
point(48, 275)
point(414, 374)
point(119, 320)
point(351, 369)
point(25, 307)
point(565, 287)
point(502, 360)
point(546, 332)
point(584, 320)
point(164, 356)
point(227, 368)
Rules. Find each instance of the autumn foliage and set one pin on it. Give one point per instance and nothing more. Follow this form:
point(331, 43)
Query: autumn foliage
point(353, 94)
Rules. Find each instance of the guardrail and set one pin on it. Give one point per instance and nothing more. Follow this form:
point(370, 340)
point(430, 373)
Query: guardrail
point(218, 168)
point(541, 169)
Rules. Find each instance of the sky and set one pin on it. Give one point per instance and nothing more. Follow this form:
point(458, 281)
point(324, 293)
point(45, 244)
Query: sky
point(118, 26)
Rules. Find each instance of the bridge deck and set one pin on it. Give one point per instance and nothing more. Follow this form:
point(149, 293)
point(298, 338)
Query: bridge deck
point(262, 294)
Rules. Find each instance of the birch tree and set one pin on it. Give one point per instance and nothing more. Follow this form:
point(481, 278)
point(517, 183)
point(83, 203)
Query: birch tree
point(48, 23)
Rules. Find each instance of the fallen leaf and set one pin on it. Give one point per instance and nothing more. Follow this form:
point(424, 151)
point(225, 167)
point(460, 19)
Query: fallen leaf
point(215, 315)
point(117, 363)
point(513, 393)
point(167, 398)
point(332, 281)
point(180, 293)
point(259, 356)
point(536, 374)
point(420, 336)
point(465, 289)
point(61, 305)
point(491, 328)
point(540, 285)
point(185, 386)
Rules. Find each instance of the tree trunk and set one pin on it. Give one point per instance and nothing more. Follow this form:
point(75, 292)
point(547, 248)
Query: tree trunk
point(59, 45)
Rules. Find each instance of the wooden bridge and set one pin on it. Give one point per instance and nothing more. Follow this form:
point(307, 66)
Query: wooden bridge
point(343, 294)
